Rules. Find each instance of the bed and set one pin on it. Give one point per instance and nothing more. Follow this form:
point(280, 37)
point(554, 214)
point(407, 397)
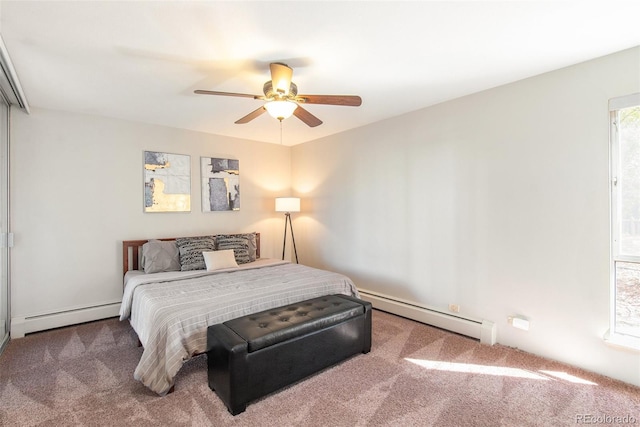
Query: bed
point(170, 309)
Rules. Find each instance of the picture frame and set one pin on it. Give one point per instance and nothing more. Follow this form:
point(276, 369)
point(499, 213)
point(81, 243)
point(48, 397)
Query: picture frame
point(167, 182)
point(220, 179)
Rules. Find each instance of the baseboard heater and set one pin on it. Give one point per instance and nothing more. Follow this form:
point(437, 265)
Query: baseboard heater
point(483, 330)
point(25, 325)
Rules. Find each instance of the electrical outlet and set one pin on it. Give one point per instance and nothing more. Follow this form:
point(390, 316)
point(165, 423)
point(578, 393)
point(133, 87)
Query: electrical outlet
point(454, 307)
point(519, 322)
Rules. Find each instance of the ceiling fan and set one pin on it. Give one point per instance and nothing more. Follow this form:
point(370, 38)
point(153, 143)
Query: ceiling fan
point(283, 100)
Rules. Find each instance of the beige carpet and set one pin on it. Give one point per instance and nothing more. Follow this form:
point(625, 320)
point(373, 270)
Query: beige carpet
point(415, 375)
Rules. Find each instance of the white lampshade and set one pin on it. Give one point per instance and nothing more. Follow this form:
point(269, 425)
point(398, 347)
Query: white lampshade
point(287, 204)
point(280, 109)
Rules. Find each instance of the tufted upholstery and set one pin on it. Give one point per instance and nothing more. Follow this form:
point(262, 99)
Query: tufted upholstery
point(273, 326)
point(252, 356)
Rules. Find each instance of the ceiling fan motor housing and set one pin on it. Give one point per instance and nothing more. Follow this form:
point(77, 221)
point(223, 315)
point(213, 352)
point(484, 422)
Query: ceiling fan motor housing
point(269, 93)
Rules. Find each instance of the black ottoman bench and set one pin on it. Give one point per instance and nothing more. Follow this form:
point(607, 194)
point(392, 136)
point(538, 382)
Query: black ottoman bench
point(252, 356)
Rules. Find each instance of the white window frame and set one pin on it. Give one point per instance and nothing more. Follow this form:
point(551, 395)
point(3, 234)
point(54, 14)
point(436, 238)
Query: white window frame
point(616, 104)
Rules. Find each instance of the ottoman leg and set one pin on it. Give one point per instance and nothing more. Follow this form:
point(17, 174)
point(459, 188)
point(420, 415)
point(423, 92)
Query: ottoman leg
point(238, 409)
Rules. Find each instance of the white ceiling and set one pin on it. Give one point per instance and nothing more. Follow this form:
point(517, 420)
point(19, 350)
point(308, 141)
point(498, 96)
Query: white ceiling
point(142, 60)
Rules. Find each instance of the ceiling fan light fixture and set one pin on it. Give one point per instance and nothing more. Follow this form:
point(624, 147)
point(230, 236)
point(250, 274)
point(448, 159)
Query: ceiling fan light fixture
point(280, 109)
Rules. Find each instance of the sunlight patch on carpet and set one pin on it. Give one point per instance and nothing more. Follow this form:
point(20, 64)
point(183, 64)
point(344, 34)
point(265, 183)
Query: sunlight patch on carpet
point(470, 368)
point(568, 377)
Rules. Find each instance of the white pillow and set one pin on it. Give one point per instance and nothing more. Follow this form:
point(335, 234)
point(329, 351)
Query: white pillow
point(216, 260)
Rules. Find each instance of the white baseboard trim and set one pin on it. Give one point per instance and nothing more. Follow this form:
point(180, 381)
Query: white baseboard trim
point(20, 326)
point(483, 330)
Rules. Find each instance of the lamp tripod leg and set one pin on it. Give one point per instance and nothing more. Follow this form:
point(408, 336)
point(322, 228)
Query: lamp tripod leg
point(284, 242)
point(293, 239)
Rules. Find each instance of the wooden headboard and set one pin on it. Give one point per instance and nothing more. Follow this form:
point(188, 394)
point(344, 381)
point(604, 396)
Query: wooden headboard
point(131, 251)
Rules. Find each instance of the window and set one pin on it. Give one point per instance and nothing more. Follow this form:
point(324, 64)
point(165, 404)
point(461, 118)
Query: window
point(625, 219)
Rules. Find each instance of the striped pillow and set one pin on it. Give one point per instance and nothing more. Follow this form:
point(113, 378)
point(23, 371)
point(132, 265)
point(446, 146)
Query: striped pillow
point(240, 244)
point(191, 249)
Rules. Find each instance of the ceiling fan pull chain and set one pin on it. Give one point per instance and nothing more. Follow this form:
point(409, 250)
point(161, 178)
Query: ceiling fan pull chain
point(280, 132)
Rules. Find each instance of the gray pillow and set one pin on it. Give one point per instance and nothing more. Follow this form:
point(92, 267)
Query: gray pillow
point(253, 245)
point(191, 249)
point(243, 245)
point(159, 256)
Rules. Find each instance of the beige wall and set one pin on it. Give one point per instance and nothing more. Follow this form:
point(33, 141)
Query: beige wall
point(497, 202)
point(77, 192)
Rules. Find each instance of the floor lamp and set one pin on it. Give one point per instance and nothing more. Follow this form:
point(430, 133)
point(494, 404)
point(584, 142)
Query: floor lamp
point(288, 205)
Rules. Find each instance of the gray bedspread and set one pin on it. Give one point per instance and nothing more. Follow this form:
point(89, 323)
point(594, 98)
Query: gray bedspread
point(171, 314)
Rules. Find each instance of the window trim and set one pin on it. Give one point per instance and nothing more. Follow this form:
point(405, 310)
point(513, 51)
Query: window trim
point(611, 337)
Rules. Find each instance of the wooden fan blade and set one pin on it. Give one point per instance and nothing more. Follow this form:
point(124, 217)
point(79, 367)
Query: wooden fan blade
point(307, 117)
point(281, 75)
point(252, 115)
point(348, 100)
point(213, 92)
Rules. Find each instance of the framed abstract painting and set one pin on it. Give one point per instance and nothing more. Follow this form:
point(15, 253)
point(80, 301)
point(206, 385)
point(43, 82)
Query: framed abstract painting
point(167, 182)
point(220, 184)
